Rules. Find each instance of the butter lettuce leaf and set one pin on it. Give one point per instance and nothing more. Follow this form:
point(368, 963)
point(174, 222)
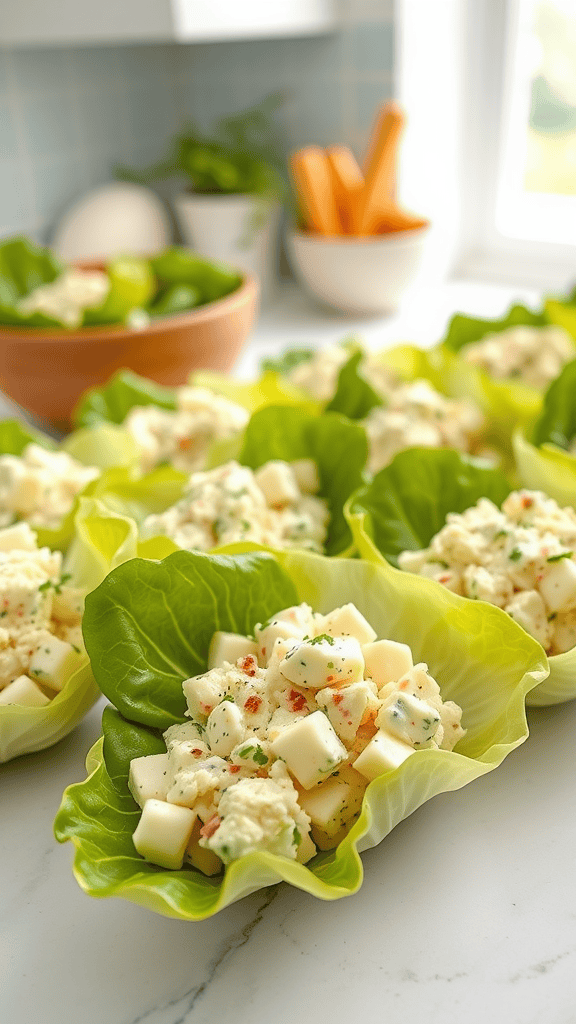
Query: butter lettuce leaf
point(338, 447)
point(162, 640)
point(463, 330)
point(114, 401)
point(407, 502)
point(354, 396)
point(269, 389)
point(563, 312)
point(24, 267)
point(481, 659)
point(16, 436)
point(557, 421)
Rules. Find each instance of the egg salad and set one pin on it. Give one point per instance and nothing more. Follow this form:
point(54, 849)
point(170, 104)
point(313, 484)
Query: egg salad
point(40, 636)
point(183, 436)
point(521, 558)
point(40, 486)
point(274, 505)
point(532, 355)
point(286, 731)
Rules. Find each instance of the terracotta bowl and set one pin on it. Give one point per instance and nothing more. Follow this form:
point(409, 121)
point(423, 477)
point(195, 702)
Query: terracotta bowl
point(46, 370)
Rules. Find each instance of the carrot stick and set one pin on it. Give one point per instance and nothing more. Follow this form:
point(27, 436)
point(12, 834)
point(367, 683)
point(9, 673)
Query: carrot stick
point(380, 169)
point(314, 186)
point(348, 182)
point(393, 218)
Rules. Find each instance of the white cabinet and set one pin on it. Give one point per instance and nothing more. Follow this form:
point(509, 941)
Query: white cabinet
point(62, 22)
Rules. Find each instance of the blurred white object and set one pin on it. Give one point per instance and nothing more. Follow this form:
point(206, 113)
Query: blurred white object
point(238, 229)
point(358, 275)
point(116, 219)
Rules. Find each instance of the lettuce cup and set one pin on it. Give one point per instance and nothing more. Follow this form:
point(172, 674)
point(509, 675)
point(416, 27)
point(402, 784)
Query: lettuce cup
point(41, 482)
point(437, 514)
point(282, 483)
point(180, 425)
point(46, 683)
point(397, 395)
point(504, 366)
point(163, 616)
point(545, 451)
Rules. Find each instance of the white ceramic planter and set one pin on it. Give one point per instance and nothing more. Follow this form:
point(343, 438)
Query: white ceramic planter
point(237, 229)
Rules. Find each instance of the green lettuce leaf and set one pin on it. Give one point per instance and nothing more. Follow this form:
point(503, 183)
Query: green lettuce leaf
point(557, 421)
point(102, 541)
point(407, 502)
point(199, 594)
point(354, 397)
point(481, 659)
point(129, 494)
point(289, 359)
point(15, 436)
point(114, 401)
point(269, 389)
point(23, 267)
point(563, 313)
point(338, 447)
point(463, 330)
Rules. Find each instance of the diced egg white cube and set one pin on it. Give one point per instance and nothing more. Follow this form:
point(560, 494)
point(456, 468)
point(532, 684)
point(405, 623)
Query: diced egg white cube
point(53, 662)
point(277, 482)
point(347, 706)
point(558, 588)
point(409, 718)
point(310, 749)
point(327, 804)
point(148, 778)
point(163, 833)
point(276, 629)
point(418, 682)
point(387, 661)
point(348, 621)
point(199, 856)
point(203, 693)
point(230, 647)
point(324, 661)
point(383, 753)
point(225, 728)
point(23, 691)
point(306, 473)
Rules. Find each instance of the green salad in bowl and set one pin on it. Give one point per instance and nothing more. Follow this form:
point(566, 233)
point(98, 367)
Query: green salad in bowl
point(456, 521)
point(301, 706)
point(38, 290)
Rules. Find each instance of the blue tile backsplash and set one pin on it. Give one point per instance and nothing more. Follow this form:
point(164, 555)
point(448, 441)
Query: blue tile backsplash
point(68, 116)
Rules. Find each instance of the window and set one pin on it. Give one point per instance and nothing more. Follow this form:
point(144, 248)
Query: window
point(490, 87)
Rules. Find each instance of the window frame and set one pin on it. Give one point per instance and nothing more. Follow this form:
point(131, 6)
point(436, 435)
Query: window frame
point(457, 47)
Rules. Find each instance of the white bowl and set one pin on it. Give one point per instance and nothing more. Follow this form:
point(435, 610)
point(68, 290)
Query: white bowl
point(357, 275)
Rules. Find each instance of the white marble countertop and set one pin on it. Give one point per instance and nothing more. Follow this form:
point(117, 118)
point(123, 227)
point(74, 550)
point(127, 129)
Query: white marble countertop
point(467, 911)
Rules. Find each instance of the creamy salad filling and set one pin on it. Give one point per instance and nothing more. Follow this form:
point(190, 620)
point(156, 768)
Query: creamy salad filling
point(532, 355)
point(521, 558)
point(419, 416)
point(286, 731)
point(40, 636)
point(183, 436)
point(66, 298)
point(412, 415)
point(40, 486)
point(275, 505)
